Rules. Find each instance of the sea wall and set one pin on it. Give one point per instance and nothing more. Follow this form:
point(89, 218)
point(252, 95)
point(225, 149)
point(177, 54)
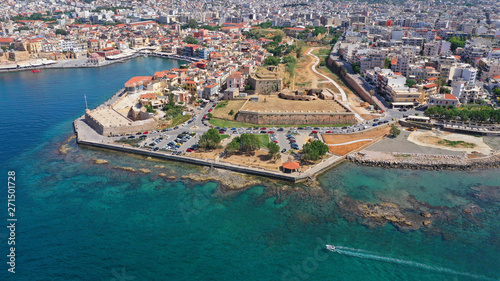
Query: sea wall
point(197, 161)
point(423, 161)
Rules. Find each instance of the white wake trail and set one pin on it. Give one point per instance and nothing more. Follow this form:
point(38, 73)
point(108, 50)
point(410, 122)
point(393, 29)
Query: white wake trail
point(363, 254)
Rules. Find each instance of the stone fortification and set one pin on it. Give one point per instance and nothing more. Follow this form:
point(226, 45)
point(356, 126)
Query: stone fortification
point(265, 84)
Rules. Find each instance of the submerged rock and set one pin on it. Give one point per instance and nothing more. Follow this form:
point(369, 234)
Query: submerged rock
point(487, 192)
point(145, 171)
point(425, 214)
point(379, 214)
point(130, 169)
point(228, 180)
point(101, 161)
point(64, 149)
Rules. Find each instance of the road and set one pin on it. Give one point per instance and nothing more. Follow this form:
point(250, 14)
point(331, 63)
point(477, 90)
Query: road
point(345, 102)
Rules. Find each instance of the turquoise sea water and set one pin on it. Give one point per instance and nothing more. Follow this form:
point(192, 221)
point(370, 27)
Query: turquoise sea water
point(80, 221)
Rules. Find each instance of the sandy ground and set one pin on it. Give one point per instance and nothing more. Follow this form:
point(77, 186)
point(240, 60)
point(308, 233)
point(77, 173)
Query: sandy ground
point(431, 138)
point(343, 138)
point(402, 145)
point(345, 149)
point(259, 160)
point(304, 77)
point(274, 103)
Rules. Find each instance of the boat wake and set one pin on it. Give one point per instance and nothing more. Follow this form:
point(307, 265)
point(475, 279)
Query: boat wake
point(359, 253)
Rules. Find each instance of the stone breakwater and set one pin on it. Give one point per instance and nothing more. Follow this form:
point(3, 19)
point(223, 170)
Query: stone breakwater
point(423, 161)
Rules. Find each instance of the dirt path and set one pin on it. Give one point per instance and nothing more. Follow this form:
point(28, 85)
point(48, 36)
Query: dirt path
point(304, 74)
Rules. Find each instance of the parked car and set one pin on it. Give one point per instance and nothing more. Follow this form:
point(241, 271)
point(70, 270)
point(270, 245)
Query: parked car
point(281, 129)
point(283, 150)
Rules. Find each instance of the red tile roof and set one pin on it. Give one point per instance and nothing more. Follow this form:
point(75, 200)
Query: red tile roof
point(450, 97)
point(138, 80)
point(291, 165)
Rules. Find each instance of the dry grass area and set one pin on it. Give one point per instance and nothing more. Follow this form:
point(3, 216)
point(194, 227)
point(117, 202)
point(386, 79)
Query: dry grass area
point(259, 160)
point(326, 71)
point(343, 138)
point(276, 104)
point(223, 112)
point(304, 77)
point(209, 154)
point(344, 149)
point(450, 141)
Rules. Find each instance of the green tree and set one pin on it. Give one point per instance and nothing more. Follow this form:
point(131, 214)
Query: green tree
point(149, 109)
point(496, 91)
point(274, 150)
point(171, 99)
point(410, 82)
point(190, 40)
point(456, 42)
point(278, 38)
point(444, 90)
point(319, 30)
point(387, 63)
point(234, 145)
point(248, 87)
point(61, 32)
point(192, 23)
point(314, 150)
point(231, 112)
point(250, 142)
point(271, 61)
point(355, 67)
point(395, 131)
point(210, 139)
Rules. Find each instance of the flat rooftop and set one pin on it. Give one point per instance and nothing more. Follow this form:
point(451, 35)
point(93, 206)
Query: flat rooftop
point(109, 117)
point(275, 104)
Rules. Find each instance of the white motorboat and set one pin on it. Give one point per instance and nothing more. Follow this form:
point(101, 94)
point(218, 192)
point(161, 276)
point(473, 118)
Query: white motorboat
point(331, 248)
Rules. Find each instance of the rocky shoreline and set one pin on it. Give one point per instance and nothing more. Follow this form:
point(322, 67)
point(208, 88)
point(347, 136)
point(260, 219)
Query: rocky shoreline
point(423, 161)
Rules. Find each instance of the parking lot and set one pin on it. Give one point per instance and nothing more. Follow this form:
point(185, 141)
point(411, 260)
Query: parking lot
point(184, 138)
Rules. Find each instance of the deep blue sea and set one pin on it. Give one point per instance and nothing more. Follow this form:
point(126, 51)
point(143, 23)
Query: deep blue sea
point(81, 221)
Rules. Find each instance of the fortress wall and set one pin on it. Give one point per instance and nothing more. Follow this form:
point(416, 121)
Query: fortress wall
point(295, 118)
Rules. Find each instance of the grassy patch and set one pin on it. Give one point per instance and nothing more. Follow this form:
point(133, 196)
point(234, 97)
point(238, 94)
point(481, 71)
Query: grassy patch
point(179, 120)
point(264, 139)
point(403, 155)
point(461, 144)
point(226, 123)
point(222, 104)
point(321, 52)
point(223, 111)
point(224, 136)
point(132, 142)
